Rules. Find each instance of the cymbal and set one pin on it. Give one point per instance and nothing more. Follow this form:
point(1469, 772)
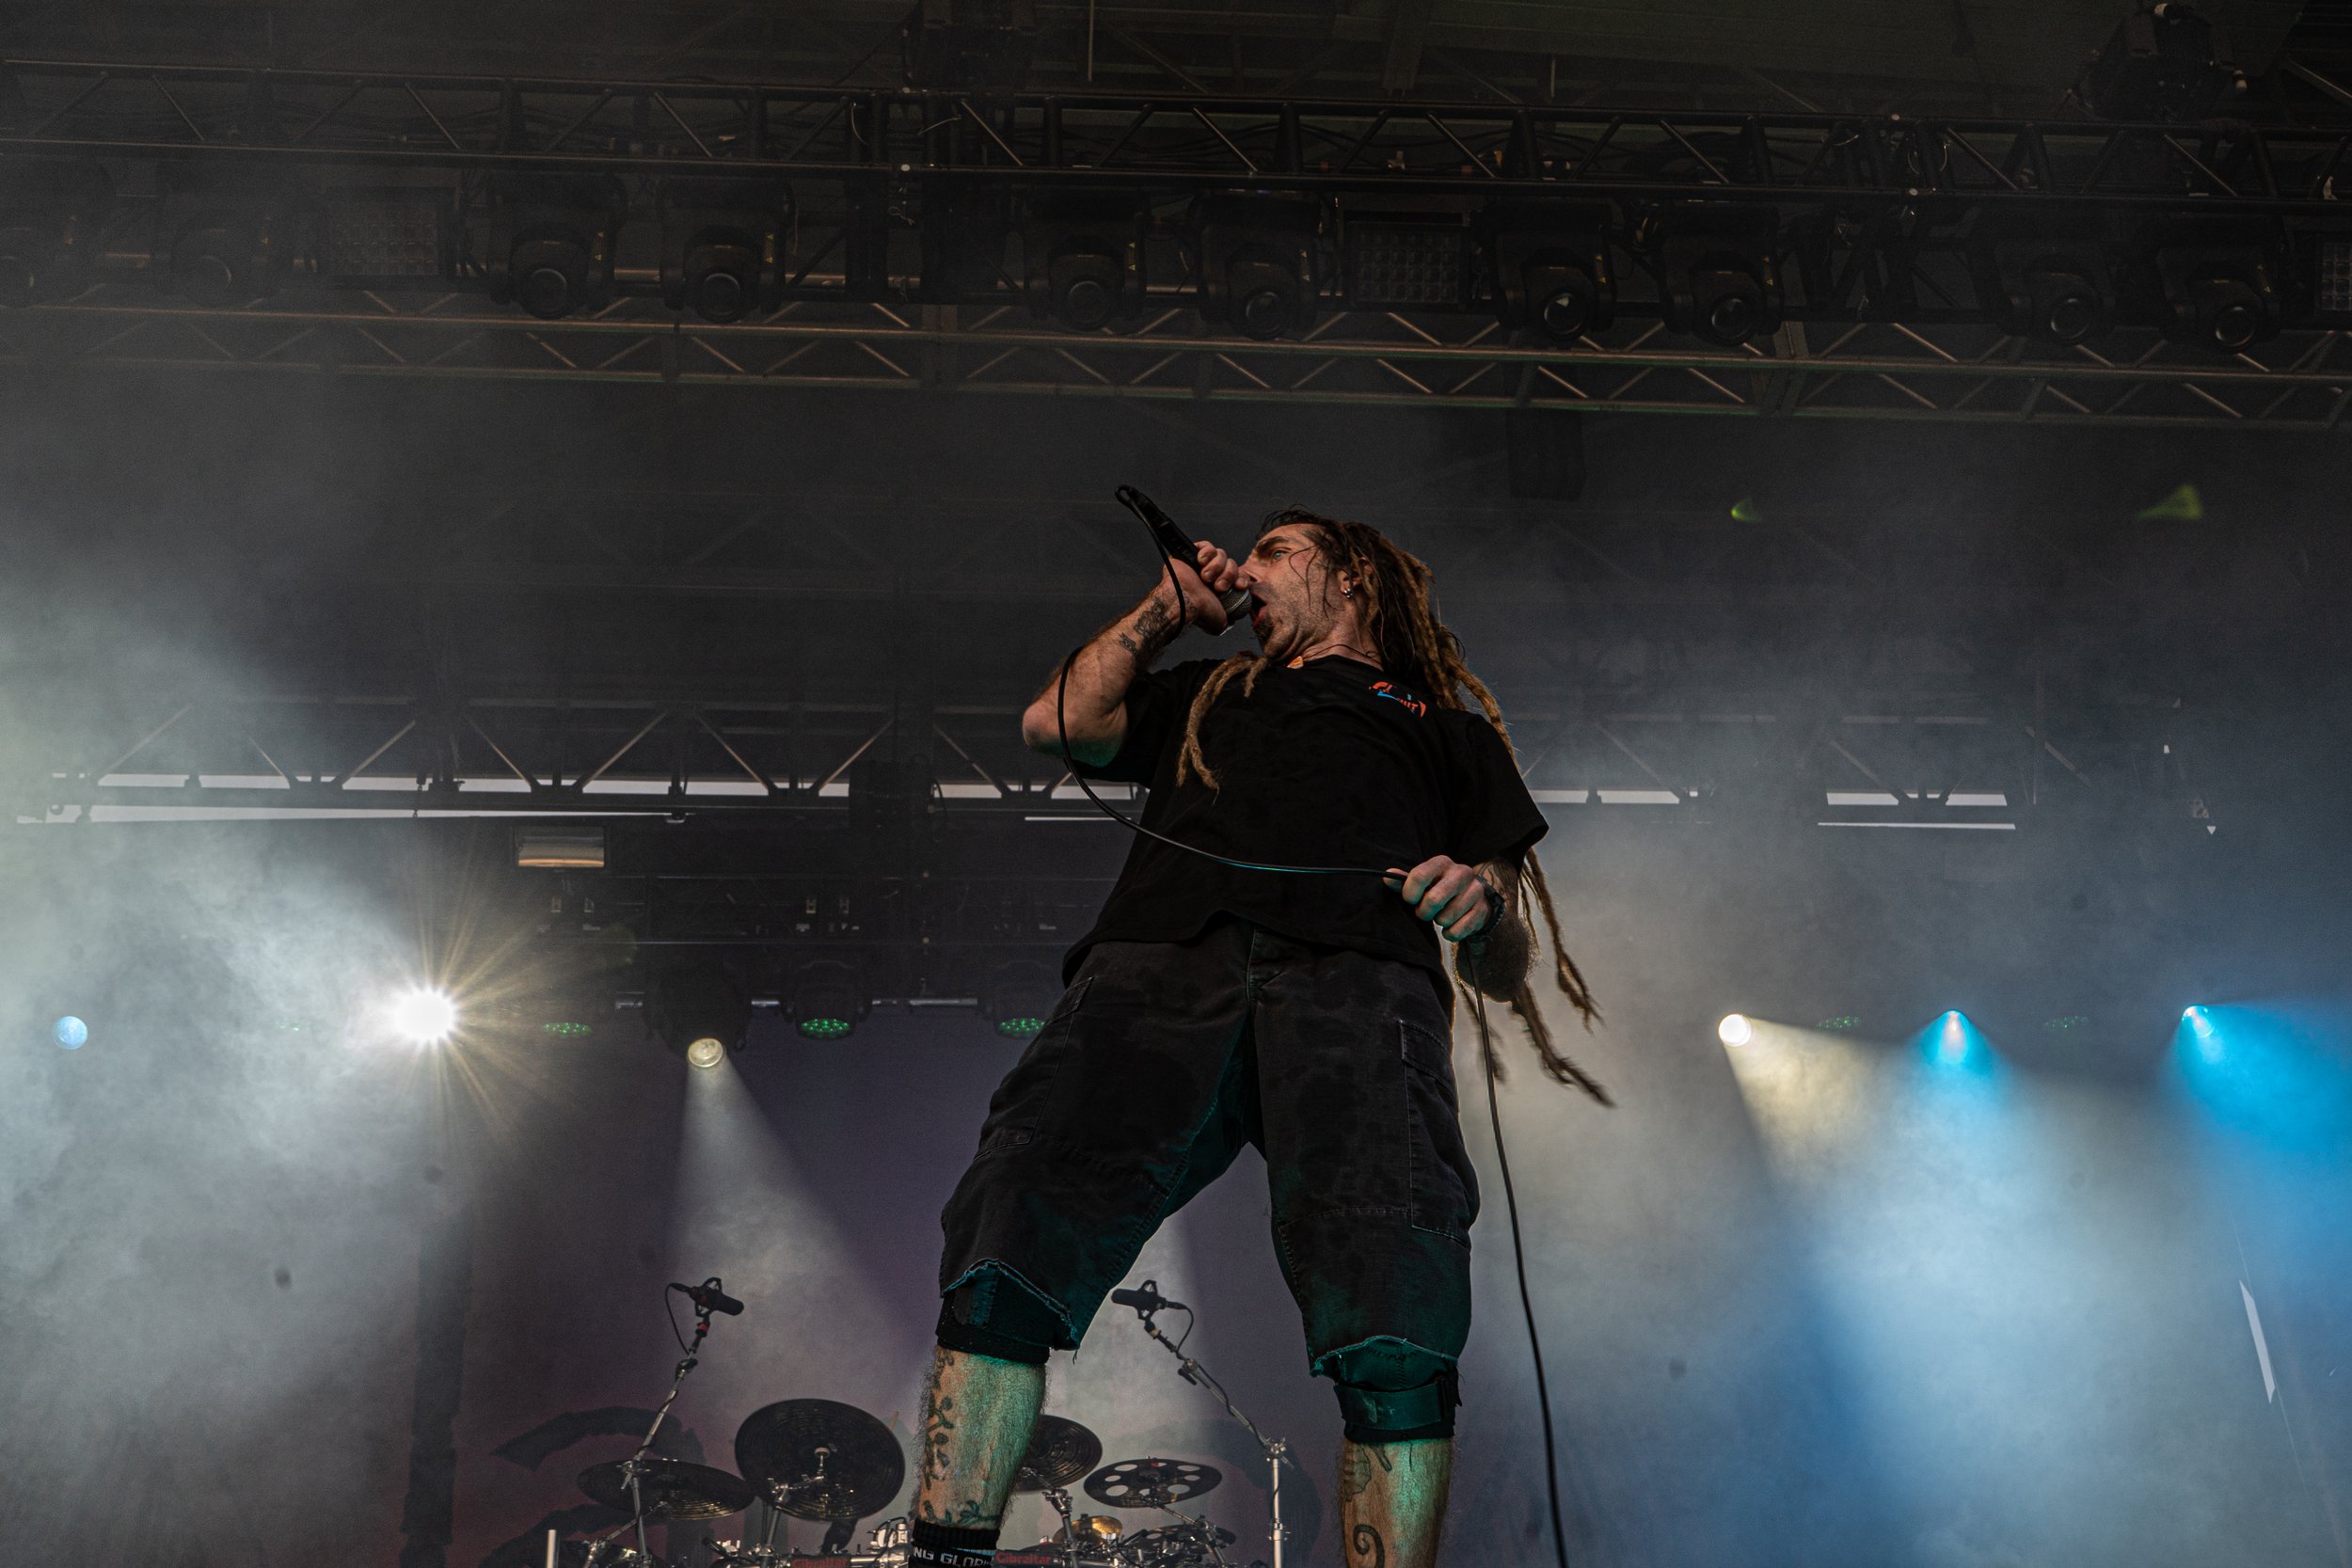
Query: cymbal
point(819, 1459)
point(672, 1488)
point(1059, 1453)
point(1150, 1482)
point(605, 1554)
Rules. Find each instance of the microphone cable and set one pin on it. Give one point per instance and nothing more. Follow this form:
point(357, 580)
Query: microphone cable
point(1478, 997)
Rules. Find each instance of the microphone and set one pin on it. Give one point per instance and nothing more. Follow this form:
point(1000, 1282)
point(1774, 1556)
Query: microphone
point(1146, 1299)
point(707, 1298)
point(1237, 602)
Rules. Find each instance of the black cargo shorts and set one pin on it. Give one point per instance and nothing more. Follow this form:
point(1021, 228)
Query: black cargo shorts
point(1160, 1062)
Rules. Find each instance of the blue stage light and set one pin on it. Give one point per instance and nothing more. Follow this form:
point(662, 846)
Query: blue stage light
point(71, 1032)
point(1951, 1045)
point(2202, 1035)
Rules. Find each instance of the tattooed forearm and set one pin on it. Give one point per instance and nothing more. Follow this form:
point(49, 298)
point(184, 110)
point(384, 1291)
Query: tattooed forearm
point(1147, 631)
point(1369, 1551)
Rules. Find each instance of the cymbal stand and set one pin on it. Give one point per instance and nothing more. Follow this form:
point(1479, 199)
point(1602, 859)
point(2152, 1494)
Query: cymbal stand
point(1276, 1451)
point(1059, 1497)
point(634, 1468)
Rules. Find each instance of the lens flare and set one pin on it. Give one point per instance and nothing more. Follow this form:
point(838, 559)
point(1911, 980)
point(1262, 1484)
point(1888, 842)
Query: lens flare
point(423, 1016)
point(706, 1053)
point(71, 1032)
point(1735, 1029)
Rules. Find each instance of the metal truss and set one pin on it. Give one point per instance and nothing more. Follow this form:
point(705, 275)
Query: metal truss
point(877, 772)
point(1168, 141)
point(893, 273)
point(1947, 372)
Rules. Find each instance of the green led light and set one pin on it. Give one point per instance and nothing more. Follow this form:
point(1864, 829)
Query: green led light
point(1020, 1028)
point(567, 1030)
point(1843, 1023)
point(824, 1028)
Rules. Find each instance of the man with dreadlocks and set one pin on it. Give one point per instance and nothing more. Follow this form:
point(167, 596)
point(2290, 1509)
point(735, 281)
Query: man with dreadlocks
point(1213, 1005)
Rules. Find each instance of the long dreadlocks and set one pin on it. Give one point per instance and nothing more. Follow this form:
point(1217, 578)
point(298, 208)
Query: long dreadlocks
point(1401, 614)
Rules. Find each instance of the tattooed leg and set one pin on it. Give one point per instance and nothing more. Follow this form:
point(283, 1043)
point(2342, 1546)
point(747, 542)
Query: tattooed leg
point(1392, 1501)
point(977, 1413)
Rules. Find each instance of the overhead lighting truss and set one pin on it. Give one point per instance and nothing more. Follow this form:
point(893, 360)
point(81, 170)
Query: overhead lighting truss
point(1106, 245)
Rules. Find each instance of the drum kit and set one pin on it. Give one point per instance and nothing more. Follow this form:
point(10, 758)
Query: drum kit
point(821, 1460)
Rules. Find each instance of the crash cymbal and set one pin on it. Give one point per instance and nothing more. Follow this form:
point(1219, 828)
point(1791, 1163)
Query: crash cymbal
point(671, 1489)
point(1059, 1453)
point(1150, 1482)
point(819, 1459)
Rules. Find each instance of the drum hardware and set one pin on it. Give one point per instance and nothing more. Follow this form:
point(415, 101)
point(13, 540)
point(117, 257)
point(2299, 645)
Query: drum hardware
point(1060, 1451)
point(1162, 1484)
point(679, 1491)
point(1147, 1301)
point(819, 1459)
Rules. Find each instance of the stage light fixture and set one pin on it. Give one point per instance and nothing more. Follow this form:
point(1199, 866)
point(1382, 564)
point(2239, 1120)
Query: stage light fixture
point(699, 1009)
point(47, 213)
point(1549, 267)
point(1735, 1029)
point(548, 244)
point(2056, 287)
point(1256, 261)
point(827, 1000)
point(69, 1032)
point(720, 242)
point(2217, 282)
point(1083, 258)
point(388, 237)
point(1719, 271)
point(2332, 294)
point(1019, 997)
point(1406, 262)
point(220, 243)
point(423, 1016)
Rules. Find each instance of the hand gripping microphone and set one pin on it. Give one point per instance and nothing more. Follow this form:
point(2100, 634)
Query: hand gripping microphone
point(1237, 601)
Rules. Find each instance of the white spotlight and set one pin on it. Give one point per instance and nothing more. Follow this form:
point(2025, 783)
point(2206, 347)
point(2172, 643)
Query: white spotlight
point(706, 1053)
point(1735, 1029)
point(423, 1016)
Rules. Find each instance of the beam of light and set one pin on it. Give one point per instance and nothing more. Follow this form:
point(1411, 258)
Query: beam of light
point(2268, 1074)
point(1952, 1041)
point(1735, 1030)
point(69, 1032)
point(746, 1209)
point(706, 1053)
point(423, 1016)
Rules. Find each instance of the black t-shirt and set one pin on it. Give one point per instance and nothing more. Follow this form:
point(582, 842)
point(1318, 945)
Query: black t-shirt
point(1325, 765)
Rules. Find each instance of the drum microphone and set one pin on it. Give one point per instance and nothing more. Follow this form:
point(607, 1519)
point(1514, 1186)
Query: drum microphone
point(1146, 1298)
point(1237, 602)
point(707, 1298)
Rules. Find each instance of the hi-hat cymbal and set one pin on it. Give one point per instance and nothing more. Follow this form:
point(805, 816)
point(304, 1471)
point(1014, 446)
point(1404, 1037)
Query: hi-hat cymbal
point(1150, 1482)
point(671, 1489)
point(1059, 1453)
point(820, 1459)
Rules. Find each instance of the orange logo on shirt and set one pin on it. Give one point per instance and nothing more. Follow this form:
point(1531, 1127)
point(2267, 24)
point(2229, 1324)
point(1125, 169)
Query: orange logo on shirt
point(1397, 694)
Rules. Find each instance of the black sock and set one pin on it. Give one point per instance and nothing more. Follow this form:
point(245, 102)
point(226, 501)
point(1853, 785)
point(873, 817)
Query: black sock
point(948, 1546)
